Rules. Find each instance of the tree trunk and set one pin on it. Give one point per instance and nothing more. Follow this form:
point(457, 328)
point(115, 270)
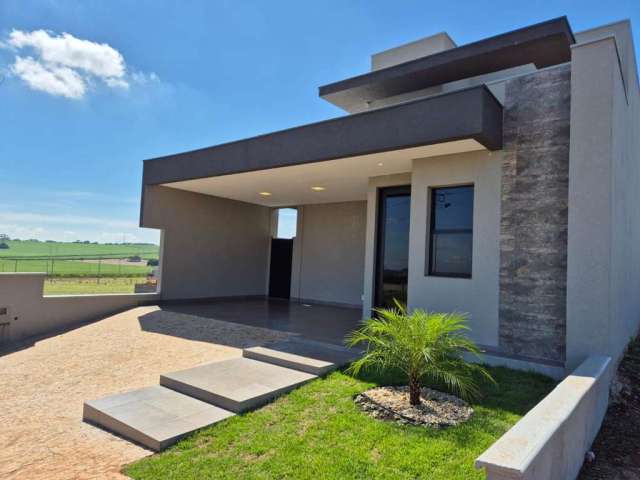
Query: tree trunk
point(414, 391)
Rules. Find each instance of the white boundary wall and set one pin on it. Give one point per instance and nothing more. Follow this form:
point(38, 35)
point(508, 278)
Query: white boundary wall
point(549, 442)
point(29, 313)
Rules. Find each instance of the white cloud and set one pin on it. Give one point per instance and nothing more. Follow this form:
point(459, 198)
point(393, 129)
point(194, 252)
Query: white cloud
point(99, 59)
point(66, 66)
point(51, 79)
point(116, 82)
point(144, 78)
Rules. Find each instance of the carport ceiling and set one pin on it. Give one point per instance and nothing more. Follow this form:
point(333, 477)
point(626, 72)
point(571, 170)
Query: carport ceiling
point(344, 179)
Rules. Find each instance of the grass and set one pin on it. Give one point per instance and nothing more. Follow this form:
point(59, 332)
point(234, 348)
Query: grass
point(318, 432)
point(88, 286)
point(30, 248)
point(72, 268)
point(53, 258)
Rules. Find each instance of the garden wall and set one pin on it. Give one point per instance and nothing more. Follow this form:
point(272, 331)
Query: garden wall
point(551, 440)
point(25, 312)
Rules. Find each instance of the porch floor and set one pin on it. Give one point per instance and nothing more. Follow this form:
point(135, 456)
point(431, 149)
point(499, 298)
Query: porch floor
point(324, 323)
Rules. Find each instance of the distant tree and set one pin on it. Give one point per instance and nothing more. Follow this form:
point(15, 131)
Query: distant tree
point(153, 262)
point(134, 258)
point(4, 245)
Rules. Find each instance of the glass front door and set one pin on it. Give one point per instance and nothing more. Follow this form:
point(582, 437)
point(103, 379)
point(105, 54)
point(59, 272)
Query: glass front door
point(392, 255)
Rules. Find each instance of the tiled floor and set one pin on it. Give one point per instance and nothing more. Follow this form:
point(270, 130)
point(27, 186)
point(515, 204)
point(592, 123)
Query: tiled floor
point(318, 322)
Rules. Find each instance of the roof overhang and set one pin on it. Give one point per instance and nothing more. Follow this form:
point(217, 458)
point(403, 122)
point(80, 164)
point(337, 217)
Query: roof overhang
point(471, 114)
point(543, 44)
point(331, 181)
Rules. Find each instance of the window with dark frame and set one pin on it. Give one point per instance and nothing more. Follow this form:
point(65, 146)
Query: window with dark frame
point(451, 232)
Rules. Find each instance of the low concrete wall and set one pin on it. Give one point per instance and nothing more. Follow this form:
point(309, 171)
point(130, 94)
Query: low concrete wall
point(550, 441)
point(25, 312)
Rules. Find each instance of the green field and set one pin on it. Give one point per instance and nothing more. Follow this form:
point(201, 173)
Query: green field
point(90, 286)
point(29, 248)
point(66, 259)
point(70, 268)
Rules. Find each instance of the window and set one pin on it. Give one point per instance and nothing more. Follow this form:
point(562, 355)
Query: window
point(451, 237)
point(287, 219)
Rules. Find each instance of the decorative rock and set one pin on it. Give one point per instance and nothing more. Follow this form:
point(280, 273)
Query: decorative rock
point(437, 409)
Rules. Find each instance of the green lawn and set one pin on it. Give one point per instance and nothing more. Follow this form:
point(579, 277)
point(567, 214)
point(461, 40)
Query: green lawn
point(317, 432)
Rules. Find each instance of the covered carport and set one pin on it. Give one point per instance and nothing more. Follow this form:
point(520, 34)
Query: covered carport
point(215, 205)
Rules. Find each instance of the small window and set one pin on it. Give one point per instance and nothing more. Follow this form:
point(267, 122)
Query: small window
point(287, 219)
point(451, 237)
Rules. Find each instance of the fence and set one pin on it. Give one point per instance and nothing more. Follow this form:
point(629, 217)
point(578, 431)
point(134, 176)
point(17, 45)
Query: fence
point(88, 273)
point(129, 265)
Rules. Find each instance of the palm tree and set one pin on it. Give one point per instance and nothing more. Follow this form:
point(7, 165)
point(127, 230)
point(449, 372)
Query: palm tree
point(426, 347)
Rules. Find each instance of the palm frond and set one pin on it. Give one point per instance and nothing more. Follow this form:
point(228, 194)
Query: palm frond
point(425, 346)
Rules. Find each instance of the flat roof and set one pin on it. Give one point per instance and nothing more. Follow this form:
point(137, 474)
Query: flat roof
point(472, 113)
point(543, 44)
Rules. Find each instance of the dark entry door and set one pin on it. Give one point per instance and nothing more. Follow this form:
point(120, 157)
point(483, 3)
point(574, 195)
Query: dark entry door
point(392, 246)
point(280, 270)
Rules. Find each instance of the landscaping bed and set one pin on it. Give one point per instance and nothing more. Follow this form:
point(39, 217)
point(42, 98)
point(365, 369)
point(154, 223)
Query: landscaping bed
point(437, 409)
point(319, 431)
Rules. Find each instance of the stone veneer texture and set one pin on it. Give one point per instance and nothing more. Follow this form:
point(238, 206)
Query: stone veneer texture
point(534, 209)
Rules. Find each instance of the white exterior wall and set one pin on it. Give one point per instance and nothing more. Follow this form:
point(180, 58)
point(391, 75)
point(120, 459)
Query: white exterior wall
point(411, 51)
point(29, 313)
point(477, 296)
point(603, 271)
point(212, 247)
point(328, 253)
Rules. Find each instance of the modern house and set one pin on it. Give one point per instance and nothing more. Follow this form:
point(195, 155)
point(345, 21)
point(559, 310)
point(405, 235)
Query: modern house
point(499, 178)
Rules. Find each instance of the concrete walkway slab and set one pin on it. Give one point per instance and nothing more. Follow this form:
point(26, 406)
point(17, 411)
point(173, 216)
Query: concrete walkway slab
point(237, 384)
point(155, 417)
point(317, 358)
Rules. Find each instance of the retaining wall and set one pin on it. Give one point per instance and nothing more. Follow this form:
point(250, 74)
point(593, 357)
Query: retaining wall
point(549, 442)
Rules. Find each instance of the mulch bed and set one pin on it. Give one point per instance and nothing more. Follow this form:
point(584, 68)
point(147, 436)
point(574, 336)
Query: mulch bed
point(437, 409)
point(617, 446)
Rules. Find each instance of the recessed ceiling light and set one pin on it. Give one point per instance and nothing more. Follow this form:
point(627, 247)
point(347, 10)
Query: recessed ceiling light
point(380, 164)
point(318, 189)
point(265, 194)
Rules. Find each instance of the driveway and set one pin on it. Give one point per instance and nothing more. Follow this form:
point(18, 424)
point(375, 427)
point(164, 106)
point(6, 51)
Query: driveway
point(43, 386)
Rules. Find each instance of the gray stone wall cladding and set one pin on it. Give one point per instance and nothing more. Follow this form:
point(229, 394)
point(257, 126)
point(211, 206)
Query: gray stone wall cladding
point(534, 209)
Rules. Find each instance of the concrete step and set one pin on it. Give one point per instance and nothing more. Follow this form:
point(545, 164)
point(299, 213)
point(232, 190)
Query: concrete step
point(155, 417)
point(309, 356)
point(237, 384)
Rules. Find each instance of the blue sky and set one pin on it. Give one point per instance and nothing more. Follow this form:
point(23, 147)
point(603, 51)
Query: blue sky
point(181, 75)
